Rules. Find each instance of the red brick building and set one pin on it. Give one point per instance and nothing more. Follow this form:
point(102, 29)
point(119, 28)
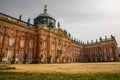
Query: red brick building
point(43, 42)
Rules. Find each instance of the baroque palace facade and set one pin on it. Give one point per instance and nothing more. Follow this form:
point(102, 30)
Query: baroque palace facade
point(43, 43)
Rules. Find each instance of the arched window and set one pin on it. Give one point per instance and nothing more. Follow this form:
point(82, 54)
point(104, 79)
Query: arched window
point(17, 43)
point(44, 45)
point(59, 45)
point(30, 56)
point(9, 55)
point(111, 51)
point(111, 54)
point(6, 40)
point(31, 44)
point(21, 43)
point(11, 41)
point(105, 54)
point(52, 57)
point(21, 56)
point(105, 51)
point(52, 46)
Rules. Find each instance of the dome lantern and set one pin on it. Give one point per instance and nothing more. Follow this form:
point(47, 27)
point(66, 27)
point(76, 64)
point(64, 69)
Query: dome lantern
point(45, 8)
point(45, 19)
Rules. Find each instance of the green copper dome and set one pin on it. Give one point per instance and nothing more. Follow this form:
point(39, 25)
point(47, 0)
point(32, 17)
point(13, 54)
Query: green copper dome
point(45, 18)
point(45, 15)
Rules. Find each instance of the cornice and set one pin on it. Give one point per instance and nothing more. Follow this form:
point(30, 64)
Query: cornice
point(17, 25)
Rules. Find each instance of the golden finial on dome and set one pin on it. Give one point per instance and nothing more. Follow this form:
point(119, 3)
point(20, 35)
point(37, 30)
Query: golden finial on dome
point(45, 6)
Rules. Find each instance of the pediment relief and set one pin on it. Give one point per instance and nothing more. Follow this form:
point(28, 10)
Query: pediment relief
point(61, 33)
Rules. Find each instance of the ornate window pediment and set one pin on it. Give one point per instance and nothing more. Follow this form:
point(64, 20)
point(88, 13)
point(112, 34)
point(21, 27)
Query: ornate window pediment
point(7, 31)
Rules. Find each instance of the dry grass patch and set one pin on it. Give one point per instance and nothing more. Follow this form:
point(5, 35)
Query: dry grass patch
point(71, 68)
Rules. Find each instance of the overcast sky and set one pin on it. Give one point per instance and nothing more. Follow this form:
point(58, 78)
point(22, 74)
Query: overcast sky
point(84, 19)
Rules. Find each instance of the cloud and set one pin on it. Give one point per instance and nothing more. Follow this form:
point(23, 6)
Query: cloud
point(84, 19)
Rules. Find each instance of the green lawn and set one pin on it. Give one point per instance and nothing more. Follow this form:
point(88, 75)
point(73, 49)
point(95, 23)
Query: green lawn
point(57, 76)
